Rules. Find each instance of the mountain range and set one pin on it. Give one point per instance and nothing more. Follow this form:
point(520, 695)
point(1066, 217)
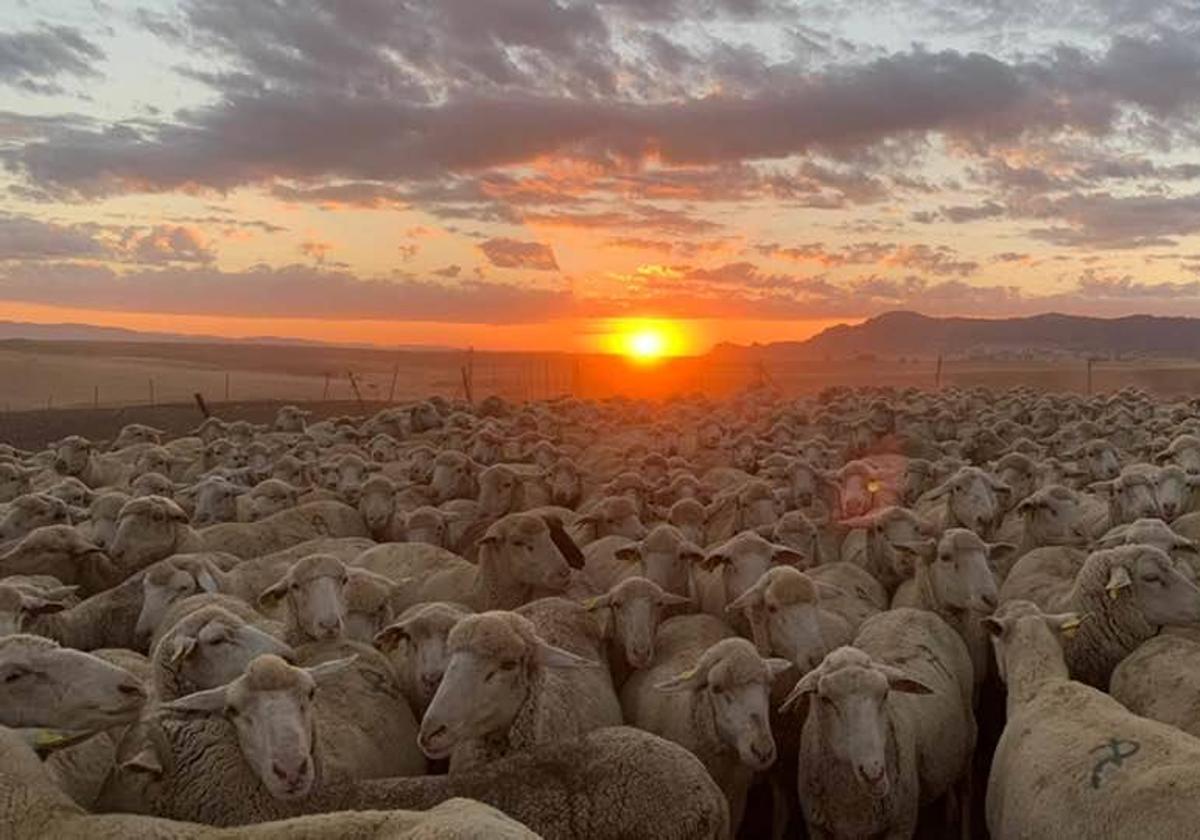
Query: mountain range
point(896, 334)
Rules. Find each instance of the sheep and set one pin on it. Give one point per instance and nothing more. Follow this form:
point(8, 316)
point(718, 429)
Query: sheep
point(954, 580)
point(77, 456)
point(60, 551)
point(416, 645)
point(266, 498)
point(890, 729)
point(175, 578)
point(15, 480)
point(36, 807)
point(521, 557)
point(795, 530)
point(294, 737)
point(152, 484)
point(873, 543)
point(970, 499)
point(733, 567)
point(611, 516)
point(1131, 495)
point(664, 555)
point(455, 476)
point(29, 512)
point(511, 488)
point(313, 592)
point(212, 500)
point(152, 528)
point(1158, 681)
point(1072, 760)
point(506, 688)
point(752, 506)
point(428, 525)
point(1053, 515)
point(72, 491)
point(688, 515)
point(208, 647)
point(24, 597)
point(101, 525)
point(708, 691)
point(637, 607)
point(786, 619)
point(1128, 593)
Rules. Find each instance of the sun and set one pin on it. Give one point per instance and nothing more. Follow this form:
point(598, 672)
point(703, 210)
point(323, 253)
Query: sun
point(647, 344)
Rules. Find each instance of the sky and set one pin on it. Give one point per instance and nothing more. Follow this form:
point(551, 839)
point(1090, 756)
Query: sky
point(554, 175)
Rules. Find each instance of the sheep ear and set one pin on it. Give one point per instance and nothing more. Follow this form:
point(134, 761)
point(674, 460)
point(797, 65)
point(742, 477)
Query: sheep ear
point(563, 542)
point(1066, 624)
point(687, 681)
point(329, 669)
point(1000, 551)
point(1103, 488)
point(144, 760)
point(38, 605)
point(599, 602)
point(389, 638)
point(784, 556)
point(902, 682)
point(549, 656)
point(670, 599)
point(184, 645)
point(993, 626)
point(805, 686)
point(275, 593)
point(749, 599)
point(209, 701)
point(205, 578)
point(629, 554)
point(1118, 579)
point(776, 666)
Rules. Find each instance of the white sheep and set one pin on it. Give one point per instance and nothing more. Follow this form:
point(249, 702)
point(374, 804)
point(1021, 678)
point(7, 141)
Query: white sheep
point(416, 645)
point(888, 728)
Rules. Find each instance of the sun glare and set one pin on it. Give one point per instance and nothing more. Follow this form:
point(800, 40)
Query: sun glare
point(647, 344)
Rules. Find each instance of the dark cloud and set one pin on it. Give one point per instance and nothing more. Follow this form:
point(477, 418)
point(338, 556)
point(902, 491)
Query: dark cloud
point(166, 244)
point(25, 238)
point(35, 60)
point(930, 259)
point(510, 253)
point(1102, 220)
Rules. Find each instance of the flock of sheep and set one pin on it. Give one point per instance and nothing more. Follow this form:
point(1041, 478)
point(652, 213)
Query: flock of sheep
point(611, 619)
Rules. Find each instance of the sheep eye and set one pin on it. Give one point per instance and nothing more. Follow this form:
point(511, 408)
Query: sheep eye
point(345, 579)
point(312, 692)
point(1152, 578)
point(14, 675)
point(772, 609)
point(231, 711)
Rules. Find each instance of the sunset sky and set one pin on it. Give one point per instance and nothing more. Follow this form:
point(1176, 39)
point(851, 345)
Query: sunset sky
point(547, 174)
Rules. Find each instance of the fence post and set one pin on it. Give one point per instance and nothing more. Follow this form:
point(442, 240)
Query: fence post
point(325, 393)
point(200, 402)
point(226, 387)
point(1089, 375)
point(95, 396)
point(937, 378)
point(357, 395)
point(395, 375)
point(152, 390)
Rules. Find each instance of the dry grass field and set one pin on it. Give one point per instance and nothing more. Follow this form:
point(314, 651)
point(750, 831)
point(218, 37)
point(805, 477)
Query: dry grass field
point(40, 381)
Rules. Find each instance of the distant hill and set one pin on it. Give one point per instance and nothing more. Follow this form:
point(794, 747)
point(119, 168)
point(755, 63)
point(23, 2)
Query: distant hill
point(21, 331)
point(896, 334)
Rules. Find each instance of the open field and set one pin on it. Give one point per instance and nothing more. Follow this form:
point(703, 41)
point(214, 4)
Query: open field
point(41, 375)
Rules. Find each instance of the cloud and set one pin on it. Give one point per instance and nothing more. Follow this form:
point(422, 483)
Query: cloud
point(34, 60)
point(166, 244)
point(316, 250)
point(26, 238)
point(510, 253)
point(1103, 220)
point(290, 291)
point(930, 259)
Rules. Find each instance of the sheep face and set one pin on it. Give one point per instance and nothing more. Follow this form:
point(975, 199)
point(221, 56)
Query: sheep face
point(14, 481)
point(291, 470)
point(499, 488)
point(166, 583)
point(153, 460)
point(72, 455)
point(215, 648)
point(421, 464)
point(736, 683)
point(960, 573)
point(454, 477)
point(1162, 593)
point(636, 607)
point(1098, 459)
point(417, 644)
point(42, 684)
point(485, 449)
point(72, 491)
point(971, 495)
point(616, 516)
point(566, 484)
point(269, 498)
point(315, 589)
point(147, 531)
point(1019, 627)
point(494, 660)
point(32, 511)
point(1173, 489)
point(377, 503)
point(743, 559)
point(523, 544)
point(855, 491)
point(216, 501)
point(383, 449)
point(1054, 516)
point(103, 512)
point(1130, 497)
point(688, 516)
point(849, 695)
point(798, 533)
point(135, 433)
point(152, 484)
point(20, 603)
point(349, 473)
point(666, 558)
point(271, 708)
point(783, 609)
point(427, 525)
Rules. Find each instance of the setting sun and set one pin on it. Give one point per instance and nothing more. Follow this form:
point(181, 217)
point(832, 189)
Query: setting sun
point(647, 344)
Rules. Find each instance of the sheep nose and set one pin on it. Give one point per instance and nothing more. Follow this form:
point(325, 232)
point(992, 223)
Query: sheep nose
point(764, 754)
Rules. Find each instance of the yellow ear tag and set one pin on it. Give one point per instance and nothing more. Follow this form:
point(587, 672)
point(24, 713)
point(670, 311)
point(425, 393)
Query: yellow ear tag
point(46, 739)
point(873, 486)
point(1069, 628)
point(1114, 593)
